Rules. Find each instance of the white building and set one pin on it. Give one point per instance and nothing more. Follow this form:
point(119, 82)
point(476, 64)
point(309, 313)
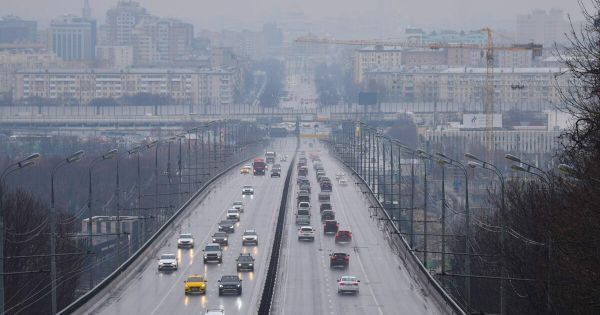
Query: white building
point(115, 56)
point(542, 27)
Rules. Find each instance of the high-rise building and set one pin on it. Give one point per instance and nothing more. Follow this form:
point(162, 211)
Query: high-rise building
point(120, 22)
point(15, 30)
point(542, 27)
point(158, 40)
point(73, 38)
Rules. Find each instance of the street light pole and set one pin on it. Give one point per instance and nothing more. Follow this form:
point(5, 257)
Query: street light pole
point(26, 162)
point(71, 159)
point(106, 156)
point(446, 160)
point(491, 167)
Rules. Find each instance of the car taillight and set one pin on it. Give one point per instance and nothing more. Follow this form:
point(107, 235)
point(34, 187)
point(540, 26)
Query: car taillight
point(346, 258)
point(355, 283)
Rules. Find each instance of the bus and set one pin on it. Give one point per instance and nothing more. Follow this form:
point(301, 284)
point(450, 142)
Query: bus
point(259, 166)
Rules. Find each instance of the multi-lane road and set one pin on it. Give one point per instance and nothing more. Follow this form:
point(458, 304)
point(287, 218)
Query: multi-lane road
point(152, 292)
point(305, 285)
point(308, 285)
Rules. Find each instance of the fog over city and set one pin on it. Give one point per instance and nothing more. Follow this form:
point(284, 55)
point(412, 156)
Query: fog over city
point(439, 14)
point(350, 157)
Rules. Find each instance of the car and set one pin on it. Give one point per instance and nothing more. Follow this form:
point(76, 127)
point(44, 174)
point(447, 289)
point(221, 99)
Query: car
point(249, 237)
point(299, 180)
point(245, 262)
point(327, 215)
point(305, 186)
point(343, 236)
point(303, 196)
point(303, 206)
point(185, 240)
point(348, 284)
point(339, 260)
point(275, 173)
point(227, 226)
point(283, 158)
point(306, 233)
point(330, 227)
point(324, 197)
point(277, 167)
point(238, 205)
point(215, 311)
point(230, 284)
point(233, 214)
point(167, 262)
point(326, 186)
point(220, 238)
point(246, 169)
point(247, 190)
point(342, 181)
point(325, 206)
point(339, 175)
point(195, 284)
point(213, 252)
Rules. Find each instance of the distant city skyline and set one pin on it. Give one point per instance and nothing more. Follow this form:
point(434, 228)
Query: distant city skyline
point(391, 15)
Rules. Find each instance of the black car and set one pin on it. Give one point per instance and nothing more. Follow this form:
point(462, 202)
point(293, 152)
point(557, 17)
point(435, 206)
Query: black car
point(300, 179)
point(275, 173)
point(220, 238)
point(330, 227)
point(245, 262)
point(305, 186)
point(327, 215)
point(325, 206)
point(339, 260)
point(227, 226)
point(230, 284)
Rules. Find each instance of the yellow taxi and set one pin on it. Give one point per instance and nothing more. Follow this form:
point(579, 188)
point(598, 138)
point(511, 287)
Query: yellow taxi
point(246, 169)
point(195, 284)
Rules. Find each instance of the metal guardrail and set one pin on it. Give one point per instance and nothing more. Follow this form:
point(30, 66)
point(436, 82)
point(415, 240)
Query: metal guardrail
point(123, 267)
point(266, 300)
point(404, 247)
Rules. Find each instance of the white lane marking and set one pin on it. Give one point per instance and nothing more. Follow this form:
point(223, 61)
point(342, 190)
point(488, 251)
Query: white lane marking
point(362, 267)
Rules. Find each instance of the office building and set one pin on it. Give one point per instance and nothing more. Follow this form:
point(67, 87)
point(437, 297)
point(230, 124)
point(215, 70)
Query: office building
point(15, 30)
point(73, 38)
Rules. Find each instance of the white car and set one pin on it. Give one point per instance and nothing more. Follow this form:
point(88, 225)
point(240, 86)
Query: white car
point(247, 190)
point(233, 214)
point(348, 284)
point(304, 206)
point(167, 262)
point(185, 241)
point(342, 181)
point(306, 233)
point(238, 205)
point(249, 237)
point(215, 311)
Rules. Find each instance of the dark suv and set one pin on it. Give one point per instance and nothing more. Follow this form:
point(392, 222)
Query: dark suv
point(325, 206)
point(330, 227)
point(245, 262)
point(230, 284)
point(339, 260)
point(220, 238)
point(227, 226)
point(327, 215)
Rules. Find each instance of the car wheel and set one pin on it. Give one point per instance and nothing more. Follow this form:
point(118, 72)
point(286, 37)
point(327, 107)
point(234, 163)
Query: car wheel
point(221, 261)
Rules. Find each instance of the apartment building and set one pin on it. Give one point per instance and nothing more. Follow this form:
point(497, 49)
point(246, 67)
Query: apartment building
point(183, 86)
point(16, 59)
point(376, 57)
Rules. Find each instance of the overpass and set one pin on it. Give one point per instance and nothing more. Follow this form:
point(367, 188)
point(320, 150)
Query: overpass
point(305, 284)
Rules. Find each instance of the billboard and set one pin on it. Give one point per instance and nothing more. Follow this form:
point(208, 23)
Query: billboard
point(477, 121)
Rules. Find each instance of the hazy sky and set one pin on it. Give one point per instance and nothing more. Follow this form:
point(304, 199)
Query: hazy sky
point(217, 14)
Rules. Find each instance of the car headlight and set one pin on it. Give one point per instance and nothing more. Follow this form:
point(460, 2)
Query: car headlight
point(225, 239)
point(238, 285)
point(239, 265)
point(220, 285)
point(249, 264)
point(205, 255)
point(214, 240)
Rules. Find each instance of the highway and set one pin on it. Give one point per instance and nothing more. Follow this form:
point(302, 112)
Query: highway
point(148, 291)
point(307, 285)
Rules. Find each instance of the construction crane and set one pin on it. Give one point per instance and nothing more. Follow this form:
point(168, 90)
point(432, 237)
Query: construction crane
point(489, 48)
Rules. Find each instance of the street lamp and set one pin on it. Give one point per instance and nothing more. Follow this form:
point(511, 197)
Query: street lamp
point(528, 169)
point(572, 172)
point(24, 163)
point(75, 157)
point(109, 155)
point(479, 163)
point(447, 160)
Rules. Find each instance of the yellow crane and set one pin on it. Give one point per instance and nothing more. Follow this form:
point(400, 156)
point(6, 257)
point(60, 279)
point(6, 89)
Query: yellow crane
point(489, 48)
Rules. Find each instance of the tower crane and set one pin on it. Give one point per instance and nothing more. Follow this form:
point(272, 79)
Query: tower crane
point(489, 48)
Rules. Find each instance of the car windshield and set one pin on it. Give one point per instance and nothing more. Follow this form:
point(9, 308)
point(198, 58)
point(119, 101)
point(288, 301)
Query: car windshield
point(237, 203)
point(347, 278)
point(304, 205)
point(167, 256)
point(226, 223)
point(213, 247)
point(250, 232)
point(185, 236)
point(220, 234)
point(195, 279)
point(247, 187)
point(229, 279)
point(245, 258)
point(232, 211)
point(306, 229)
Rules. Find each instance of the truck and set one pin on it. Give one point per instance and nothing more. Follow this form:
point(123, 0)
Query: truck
point(270, 157)
point(259, 166)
